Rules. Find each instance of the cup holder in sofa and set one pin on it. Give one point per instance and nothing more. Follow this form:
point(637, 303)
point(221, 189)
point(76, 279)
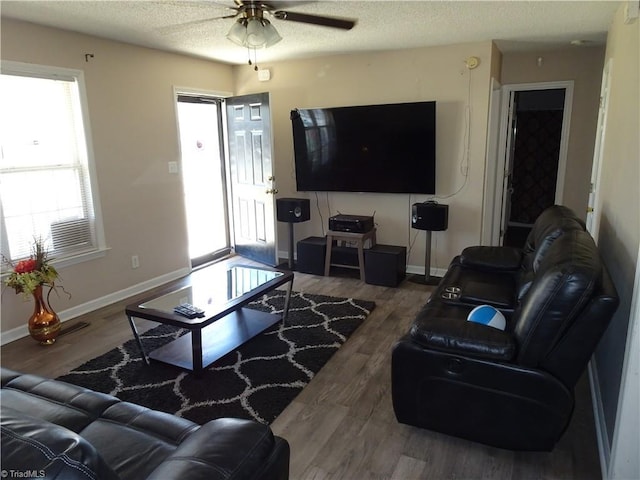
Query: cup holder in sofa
point(451, 293)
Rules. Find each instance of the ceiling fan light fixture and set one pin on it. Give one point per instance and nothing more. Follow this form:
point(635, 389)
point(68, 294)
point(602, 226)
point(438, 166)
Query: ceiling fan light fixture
point(271, 35)
point(238, 32)
point(253, 32)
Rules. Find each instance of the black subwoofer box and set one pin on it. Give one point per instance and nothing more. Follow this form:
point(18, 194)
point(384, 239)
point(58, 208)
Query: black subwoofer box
point(311, 253)
point(385, 265)
point(293, 210)
point(429, 216)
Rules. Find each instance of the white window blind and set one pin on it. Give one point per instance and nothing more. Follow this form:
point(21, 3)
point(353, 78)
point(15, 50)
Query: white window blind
point(45, 188)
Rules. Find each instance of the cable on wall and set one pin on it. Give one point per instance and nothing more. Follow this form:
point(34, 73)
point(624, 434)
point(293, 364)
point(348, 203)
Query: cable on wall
point(471, 63)
point(320, 213)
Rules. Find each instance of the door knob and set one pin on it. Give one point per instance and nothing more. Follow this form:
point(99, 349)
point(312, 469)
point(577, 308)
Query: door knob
point(272, 191)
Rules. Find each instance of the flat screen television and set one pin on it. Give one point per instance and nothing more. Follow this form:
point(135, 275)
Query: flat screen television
point(387, 148)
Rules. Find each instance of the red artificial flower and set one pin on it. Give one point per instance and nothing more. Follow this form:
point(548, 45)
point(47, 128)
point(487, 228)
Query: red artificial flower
point(26, 266)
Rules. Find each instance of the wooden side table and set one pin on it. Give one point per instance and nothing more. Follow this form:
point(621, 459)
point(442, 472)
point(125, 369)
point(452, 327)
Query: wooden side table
point(359, 238)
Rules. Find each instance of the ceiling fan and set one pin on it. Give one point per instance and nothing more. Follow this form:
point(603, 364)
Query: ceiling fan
point(252, 9)
point(253, 30)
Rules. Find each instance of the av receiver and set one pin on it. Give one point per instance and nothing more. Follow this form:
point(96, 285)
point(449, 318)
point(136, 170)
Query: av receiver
point(351, 223)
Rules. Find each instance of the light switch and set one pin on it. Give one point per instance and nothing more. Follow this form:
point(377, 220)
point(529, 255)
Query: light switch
point(173, 167)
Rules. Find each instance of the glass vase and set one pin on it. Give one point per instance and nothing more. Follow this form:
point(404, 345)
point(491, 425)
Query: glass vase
point(44, 324)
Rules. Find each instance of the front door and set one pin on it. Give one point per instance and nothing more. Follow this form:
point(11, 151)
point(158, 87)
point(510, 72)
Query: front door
point(251, 177)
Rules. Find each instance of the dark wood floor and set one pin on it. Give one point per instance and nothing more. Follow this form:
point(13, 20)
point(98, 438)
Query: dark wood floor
point(342, 425)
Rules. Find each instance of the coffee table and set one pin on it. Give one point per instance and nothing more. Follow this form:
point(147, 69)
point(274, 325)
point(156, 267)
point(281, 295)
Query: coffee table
point(222, 291)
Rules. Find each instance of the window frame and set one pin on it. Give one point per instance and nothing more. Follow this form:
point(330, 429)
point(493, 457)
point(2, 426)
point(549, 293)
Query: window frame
point(51, 72)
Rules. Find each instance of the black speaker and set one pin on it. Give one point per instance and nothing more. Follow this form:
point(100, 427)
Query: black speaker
point(311, 253)
point(385, 265)
point(293, 210)
point(429, 216)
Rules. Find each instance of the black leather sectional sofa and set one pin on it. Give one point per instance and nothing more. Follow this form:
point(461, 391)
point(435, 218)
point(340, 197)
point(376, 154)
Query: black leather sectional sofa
point(55, 430)
point(509, 388)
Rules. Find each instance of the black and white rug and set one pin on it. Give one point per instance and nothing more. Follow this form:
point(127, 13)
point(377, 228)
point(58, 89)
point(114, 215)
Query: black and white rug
point(256, 381)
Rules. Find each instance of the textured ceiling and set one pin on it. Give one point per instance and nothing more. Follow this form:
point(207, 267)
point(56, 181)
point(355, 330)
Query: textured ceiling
point(381, 25)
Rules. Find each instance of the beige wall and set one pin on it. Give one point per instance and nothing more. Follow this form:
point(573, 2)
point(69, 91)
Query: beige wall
point(438, 74)
point(584, 67)
point(619, 232)
point(496, 63)
point(131, 108)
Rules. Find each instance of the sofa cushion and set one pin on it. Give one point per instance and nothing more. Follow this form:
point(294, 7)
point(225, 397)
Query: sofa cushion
point(445, 328)
point(498, 294)
point(152, 434)
point(491, 258)
point(551, 224)
point(60, 403)
point(565, 282)
point(48, 451)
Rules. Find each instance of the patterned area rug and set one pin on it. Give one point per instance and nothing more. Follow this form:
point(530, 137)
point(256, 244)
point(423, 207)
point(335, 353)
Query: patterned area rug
point(256, 381)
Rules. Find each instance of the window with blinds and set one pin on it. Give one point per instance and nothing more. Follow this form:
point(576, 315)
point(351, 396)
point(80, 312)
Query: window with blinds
point(45, 184)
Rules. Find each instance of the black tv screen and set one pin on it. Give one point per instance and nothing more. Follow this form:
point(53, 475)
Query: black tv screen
point(374, 148)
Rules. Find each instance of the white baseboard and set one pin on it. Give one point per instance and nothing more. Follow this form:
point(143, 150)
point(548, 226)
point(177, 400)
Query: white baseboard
point(419, 270)
point(74, 312)
point(600, 420)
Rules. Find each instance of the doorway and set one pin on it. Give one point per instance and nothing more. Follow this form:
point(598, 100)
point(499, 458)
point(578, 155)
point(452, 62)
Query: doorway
point(227, 171)
point(534, 153)
point(594, 205)
point(203, 177)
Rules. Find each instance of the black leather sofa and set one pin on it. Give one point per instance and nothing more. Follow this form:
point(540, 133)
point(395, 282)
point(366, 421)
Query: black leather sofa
point(55, 430)
point(509, 388)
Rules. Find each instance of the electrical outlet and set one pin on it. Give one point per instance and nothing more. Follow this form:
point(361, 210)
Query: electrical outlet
point(135, 261)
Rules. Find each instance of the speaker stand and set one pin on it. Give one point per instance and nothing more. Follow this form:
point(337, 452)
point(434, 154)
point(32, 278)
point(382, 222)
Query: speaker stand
point(289, 265)
point(427, 279)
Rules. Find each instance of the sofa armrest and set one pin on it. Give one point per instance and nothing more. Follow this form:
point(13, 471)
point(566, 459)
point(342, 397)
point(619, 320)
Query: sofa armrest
point(228, 448)
point(491, 258)
point(445, 328)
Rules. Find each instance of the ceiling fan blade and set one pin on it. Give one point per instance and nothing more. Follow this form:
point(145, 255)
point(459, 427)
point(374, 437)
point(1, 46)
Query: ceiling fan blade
point(333, 22)
point(184, 26)
point(272, 5)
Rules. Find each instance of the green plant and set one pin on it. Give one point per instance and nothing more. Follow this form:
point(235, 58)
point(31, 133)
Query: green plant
point(37, 270)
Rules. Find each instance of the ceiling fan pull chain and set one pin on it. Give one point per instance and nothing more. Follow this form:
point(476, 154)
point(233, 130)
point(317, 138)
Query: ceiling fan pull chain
point(255, 60)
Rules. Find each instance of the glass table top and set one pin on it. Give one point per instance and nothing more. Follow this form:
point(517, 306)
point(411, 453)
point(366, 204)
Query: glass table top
point(212, 288)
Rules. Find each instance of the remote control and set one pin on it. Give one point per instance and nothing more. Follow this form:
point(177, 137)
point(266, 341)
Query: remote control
point(188, 310)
